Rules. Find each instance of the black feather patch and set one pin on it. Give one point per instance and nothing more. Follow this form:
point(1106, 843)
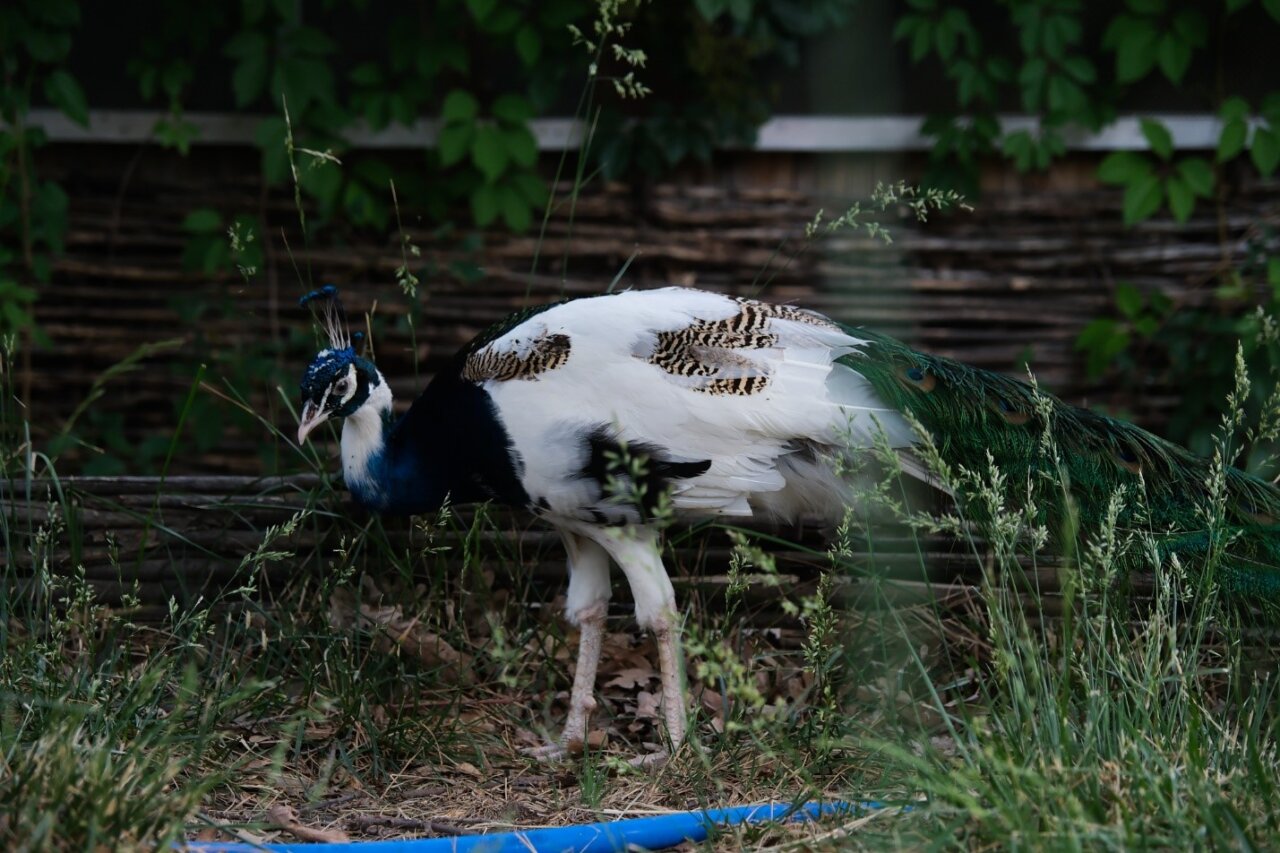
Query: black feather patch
point(545, 352)
point(610, 463)
point(705, 349)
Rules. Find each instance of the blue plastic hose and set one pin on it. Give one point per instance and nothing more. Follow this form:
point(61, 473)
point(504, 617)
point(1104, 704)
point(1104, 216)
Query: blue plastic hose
point(649, 833)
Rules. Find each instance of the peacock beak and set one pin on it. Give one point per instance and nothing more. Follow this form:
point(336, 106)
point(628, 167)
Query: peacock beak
point(312, 417)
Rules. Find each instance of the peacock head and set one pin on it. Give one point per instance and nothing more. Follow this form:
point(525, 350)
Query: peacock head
point(338, 382)
point(336, 385)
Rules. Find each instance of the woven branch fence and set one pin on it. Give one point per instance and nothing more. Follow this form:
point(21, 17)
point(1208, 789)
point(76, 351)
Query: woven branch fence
point(1014, 280)
point(186, 538)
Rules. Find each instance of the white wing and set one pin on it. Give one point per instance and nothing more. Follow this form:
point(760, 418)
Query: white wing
point(746, 394)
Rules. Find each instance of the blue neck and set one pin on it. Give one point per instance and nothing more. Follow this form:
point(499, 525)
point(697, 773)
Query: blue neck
point(450, 443)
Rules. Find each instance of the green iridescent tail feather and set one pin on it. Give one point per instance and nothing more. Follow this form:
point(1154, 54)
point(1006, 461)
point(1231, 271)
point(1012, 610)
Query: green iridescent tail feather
point(971, 412)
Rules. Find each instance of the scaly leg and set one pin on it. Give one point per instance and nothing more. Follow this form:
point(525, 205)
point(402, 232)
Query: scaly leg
point(585, 606)
point(671, 663)
point(582, 701)
point(636, 551)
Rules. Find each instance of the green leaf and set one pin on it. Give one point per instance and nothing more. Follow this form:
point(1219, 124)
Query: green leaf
point(1031, 79)
point(515, 210)
point(59, 14)
point(1081, 69)
point(1142, 199)
point(1231, 141)
point(1273, 271)
point(1159, 137)
point(1181, 199)
point(1270, 108)
point(486, 204)
point(1233, 108)
point(65, 93)
point(921, 41)
point(454, 142)
point(366, 74)
point(46, 46)
point(528, 45)
point(175, 133)
point(512, 108)
point(1020, 147)
point(906, 26)
point(1191, 27)
point(270, 138)
point(1129, 300)
point(489, 152)
point(1174, 56)
point(1146, 325)
point(1272, 7)
point(1146, 7)
point(311, 41)
point(944, 39)
point(1136, 53)
point(202, 221)
point(1101, 341)
point(459, 105)
point(1064, 95)
point(503, 21)
point(1198, 175)
point(246, 44)
point(404, 109)
point(1161, 304)
point(481, 9)
point(249, 79)
point(521, 145)
point(532, 187)
point(1265, 151)
point(1236, 5)
point(1123, 167)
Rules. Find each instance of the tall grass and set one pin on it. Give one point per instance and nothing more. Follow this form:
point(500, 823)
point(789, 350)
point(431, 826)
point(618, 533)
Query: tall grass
point(1081, 720)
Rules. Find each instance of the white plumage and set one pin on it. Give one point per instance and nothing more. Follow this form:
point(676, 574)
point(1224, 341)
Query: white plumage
point(748, 438)
point(765, 449)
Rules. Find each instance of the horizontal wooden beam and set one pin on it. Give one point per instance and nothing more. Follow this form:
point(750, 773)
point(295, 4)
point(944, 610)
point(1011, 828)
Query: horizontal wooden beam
point(800, 134)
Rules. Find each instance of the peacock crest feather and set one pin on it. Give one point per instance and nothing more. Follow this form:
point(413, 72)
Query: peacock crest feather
point(327, 309)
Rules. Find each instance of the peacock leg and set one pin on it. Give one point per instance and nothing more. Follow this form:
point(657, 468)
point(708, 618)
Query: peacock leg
point(582, 701)
point(637, 553)
point(586, 606)
point(671, 663)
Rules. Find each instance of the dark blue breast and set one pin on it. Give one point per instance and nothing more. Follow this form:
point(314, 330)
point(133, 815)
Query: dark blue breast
point(451, 443)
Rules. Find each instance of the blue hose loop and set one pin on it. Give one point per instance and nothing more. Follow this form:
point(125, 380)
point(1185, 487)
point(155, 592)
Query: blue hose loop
point(648, 833)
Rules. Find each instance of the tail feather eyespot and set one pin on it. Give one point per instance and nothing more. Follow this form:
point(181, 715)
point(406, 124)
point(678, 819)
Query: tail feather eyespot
point(918, 377)
point(1009, 412)
point(1128, 459)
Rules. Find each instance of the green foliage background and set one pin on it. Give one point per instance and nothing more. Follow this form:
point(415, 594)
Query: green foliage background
point(485, 69)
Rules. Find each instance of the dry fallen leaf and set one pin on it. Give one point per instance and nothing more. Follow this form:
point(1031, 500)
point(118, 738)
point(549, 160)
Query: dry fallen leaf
point(468, 768)
point(632, 677)
point(406, 632)
point(647, 704)
point(286, 818)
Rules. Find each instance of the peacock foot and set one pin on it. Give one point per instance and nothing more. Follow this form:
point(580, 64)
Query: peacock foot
point(554, 751)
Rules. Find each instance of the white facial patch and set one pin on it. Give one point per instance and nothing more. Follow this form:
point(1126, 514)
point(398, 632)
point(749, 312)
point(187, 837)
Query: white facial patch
point(349, 389)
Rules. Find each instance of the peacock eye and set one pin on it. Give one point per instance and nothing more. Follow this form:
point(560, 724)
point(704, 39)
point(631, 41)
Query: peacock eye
point(341, 386)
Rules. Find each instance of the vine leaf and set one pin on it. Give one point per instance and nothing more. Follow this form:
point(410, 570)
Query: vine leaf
point(65, 93)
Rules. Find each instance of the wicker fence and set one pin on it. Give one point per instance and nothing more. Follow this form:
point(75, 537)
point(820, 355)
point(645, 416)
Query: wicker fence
point(1015, 280)
point(148, 541)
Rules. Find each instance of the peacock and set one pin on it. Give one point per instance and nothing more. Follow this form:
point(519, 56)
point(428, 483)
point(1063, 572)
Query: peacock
point(605, 416)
